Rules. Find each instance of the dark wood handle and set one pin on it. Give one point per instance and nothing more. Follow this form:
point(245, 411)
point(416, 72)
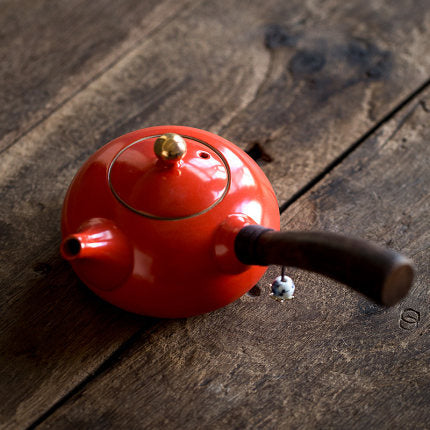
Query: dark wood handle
point(381, 274)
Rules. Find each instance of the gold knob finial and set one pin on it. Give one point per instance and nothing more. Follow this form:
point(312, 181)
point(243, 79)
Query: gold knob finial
point(170, 147)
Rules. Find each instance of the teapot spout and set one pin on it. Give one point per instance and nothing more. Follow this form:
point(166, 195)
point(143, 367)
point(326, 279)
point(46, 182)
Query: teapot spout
point(100, 253)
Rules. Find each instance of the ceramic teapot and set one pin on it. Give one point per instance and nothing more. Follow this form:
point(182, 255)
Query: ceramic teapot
point(173, 221)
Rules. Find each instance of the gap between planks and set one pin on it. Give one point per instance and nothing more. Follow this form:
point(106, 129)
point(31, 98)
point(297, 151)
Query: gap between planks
point(353, 147)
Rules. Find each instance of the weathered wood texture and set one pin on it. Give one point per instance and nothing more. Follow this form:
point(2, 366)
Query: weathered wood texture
point(305, 81)
point(328, 359)
point(52, 50)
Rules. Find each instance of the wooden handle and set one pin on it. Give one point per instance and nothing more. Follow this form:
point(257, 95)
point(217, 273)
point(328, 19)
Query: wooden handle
point(381, 274)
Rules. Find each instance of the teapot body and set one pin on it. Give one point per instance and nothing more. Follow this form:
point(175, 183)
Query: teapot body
point(166, 266)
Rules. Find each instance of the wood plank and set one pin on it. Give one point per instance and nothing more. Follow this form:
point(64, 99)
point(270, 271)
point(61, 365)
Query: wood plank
point(330, 78)
point(50, 51)
point(329, 358)
point(203, 69)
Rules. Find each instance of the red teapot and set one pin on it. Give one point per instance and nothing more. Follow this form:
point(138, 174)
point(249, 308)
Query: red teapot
point(173, 221)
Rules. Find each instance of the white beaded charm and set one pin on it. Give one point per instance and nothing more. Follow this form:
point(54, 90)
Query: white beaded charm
point(283, 288)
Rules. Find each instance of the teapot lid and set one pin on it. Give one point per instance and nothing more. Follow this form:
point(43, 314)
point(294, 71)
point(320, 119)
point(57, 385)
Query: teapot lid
point(169, 176)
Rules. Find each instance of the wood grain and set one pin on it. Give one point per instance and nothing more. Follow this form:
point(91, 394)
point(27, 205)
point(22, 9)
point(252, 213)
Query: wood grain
point(238, 68)
point(50, 51)
point(335, 70)
point(328, 359)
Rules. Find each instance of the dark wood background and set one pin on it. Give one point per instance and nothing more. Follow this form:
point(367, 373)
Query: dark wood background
point(330, 97)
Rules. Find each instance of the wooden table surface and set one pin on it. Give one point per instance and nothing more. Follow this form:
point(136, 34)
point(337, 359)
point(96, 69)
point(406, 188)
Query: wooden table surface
point(332, 98)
